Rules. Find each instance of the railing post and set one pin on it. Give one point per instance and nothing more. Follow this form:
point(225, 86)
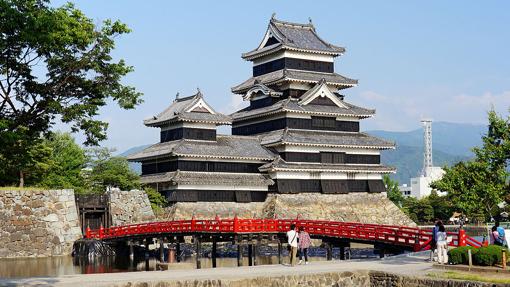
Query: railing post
point(236, 224)
point(461, 237)
point(193, 223)
point(87, 232)
point(101, 232)
point(417, 246)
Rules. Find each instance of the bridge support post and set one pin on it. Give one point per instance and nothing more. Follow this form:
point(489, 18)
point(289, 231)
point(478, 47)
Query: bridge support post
point(250, 254)
point(178, 249)
point(279, 251)
point(342, 252)
point(146, 253)
point(198, 250)
point(382, 251)
point(131, 251)
point(329, 251)
point(213, 252)
point(239, 253)
point(161, 250)
point(256, 252)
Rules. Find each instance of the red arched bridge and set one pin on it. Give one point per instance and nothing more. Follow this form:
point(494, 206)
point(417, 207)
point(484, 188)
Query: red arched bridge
point(412, 238)
point(386, 238)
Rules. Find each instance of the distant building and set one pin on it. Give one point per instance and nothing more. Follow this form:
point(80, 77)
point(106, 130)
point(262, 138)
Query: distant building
point(420, 186)
point(298, 135)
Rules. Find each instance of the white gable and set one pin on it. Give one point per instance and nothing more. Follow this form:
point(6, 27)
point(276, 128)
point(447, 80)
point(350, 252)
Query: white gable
point(321, 90)
point(269, 34)
point(201, 104)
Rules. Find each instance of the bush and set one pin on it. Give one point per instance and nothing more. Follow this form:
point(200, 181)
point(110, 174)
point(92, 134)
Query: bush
point(489, 256)
point(158, 201)
point(459, 255)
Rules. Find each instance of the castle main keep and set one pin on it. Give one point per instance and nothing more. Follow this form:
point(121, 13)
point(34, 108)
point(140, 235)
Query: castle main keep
point(298, 143)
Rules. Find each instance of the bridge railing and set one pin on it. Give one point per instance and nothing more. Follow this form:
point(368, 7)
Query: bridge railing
point(418, 239)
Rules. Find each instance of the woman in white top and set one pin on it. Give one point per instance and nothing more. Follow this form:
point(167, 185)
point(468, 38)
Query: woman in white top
point(442, 245)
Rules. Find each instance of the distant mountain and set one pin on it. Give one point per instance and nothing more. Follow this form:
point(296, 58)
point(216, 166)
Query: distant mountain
point(451, 138)
point(451, 142)
point(409, 161)
point(135, 166)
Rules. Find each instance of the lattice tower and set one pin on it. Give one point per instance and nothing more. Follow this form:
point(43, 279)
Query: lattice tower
point(427, 143)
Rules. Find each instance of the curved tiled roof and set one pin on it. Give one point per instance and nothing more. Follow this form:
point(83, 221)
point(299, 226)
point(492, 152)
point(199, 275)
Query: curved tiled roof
point(284, 75)
point(280, 164)
point(178, 111)
point(228, 147)
point(208, 178)
point(294, 36)
point(324, 138)
point(292, 105)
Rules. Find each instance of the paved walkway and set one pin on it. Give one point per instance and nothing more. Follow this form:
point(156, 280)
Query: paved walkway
point(406, 265)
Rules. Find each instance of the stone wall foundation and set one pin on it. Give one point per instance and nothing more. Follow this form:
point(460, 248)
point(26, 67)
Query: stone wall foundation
point(37, 223)
point(334, 279)
point(353, 207)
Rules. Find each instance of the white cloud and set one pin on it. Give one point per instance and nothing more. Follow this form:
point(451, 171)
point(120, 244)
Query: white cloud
point(403, 112)
point(236, 103)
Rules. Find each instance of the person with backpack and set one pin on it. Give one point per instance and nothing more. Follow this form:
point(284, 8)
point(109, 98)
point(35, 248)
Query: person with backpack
point(292, 239)
point(501, 240)
point(494, 235)
point(433, 241)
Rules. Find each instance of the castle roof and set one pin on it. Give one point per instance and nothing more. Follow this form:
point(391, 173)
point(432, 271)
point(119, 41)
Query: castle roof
point(324, 138)
point(291, 75)
point(208, 178)
point(282, 35)
point(292, 105)
point(225, 147)
point(280, 164)
point(188, 109)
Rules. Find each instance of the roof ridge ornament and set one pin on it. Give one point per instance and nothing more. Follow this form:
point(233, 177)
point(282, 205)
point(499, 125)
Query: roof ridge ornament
point(273, 16)
point(177, 96)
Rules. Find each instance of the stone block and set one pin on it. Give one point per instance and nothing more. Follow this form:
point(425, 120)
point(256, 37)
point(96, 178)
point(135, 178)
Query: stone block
point(59, 206)
point(71, 215)
point(51, 218)
point(36, 203)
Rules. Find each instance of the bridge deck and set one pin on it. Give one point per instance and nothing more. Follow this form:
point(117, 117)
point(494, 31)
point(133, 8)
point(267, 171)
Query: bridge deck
point(409, 237)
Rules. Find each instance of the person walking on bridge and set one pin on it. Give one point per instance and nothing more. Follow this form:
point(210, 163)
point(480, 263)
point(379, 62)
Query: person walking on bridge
point(304, 243)
point(442, 245)
point(292, 238)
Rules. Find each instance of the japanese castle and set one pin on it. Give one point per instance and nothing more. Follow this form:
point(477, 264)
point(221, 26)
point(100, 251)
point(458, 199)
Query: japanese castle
point(298, 135)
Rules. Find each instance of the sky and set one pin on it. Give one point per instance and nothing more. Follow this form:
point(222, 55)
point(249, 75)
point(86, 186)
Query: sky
point(444, 60)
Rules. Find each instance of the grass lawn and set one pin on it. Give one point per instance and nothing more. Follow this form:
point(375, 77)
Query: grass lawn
point(470, 276)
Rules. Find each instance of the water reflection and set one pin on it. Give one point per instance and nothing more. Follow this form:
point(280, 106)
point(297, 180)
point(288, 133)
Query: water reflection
point(67, 265)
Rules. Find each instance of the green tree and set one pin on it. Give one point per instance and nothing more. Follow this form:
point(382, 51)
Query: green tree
point(419, 210)
point(111, 171)
point(68, 161)
point(158, 201)
point(21, 162)
point(479, 185)
point(392, 191)
point(441, 206)
point(55, 63)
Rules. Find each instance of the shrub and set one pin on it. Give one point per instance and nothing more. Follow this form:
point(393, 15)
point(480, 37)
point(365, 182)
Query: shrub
point(488, 256)
point(459, 255)
point(158, 201)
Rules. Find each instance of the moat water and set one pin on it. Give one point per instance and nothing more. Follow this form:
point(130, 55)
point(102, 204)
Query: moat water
point(67, 265)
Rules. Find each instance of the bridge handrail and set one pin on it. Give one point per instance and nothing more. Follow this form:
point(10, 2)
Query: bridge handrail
point(415, 237)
